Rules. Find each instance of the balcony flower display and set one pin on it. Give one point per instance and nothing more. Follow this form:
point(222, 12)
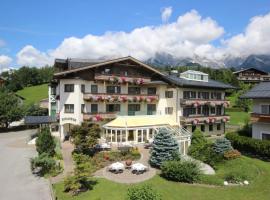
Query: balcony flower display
point(138, 81)
point(152, 98)
point(226, 104)
point(195, 121)
point(212, 120)
point(97, 118)
point(196, 104)
point(225, 119)
point(123, 99)
point(123, 80)
point(141, 99)
point(130, 99)
point(207, 121)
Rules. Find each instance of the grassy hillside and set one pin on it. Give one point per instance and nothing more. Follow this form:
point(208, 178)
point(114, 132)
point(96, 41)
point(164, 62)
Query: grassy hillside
point(34, 94)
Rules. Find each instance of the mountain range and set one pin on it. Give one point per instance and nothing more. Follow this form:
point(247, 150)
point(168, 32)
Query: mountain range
point(261, 62)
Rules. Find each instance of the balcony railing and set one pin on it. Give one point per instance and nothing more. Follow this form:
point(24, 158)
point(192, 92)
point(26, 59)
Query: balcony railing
point(200, 119)
point(138, 80)
point(103, 97)
point(259, 117)
point(201, 102)
point(98, 116)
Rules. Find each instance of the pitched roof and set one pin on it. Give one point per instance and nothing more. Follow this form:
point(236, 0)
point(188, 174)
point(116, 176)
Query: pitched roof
point(260, 91)
point(108, 62)
point(35, 120)
point(202, 84)
point(251, 68)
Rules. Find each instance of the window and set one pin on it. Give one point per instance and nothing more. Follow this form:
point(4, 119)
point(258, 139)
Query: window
point(189, 95)
point(265, 109)
point(69, 108)
point(199, 110)
point(53, 90)
point(215, 95)
point(168, 94)
point(54, 128)
point(69, 87)
point(94, 108)
point(94, 89)
point(82, 108)
point(151, 109)
point(204, 95)
point(205, 110)
point(113, 89)
point(203, 128)
point(82, 88)
point(169, 110)
point(151, 91)
point(210, 127)
point(187, 111)
point(113, 108)
point(134, 90)
point(213, 110)
point(219, 110)
point(265, 136)
point(132, 108)
point(218, 127)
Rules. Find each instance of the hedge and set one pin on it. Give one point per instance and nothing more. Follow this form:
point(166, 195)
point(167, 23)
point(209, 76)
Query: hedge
point(234, 109)
point(249, 145)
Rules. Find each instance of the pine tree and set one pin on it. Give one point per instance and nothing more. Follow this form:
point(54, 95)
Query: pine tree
point(222, 145)
point(165, 148)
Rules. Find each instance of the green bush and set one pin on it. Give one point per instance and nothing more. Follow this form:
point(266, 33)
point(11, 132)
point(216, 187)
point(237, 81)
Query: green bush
point(45, 142)
point(202, 150)
point(144, 192)
point(43, 164)
point(164, 148)
point(250, 145)
point(222, 145)
point(181, 171)
point(232, 154)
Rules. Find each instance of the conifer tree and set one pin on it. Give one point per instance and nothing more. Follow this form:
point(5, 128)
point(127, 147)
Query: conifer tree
point(165, 147)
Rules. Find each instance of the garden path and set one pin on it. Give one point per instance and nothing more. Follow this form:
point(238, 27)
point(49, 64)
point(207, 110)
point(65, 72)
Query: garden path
point(127, 176)
point(205, 168)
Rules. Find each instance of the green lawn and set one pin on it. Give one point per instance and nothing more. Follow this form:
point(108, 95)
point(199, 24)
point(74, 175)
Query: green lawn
point(238, 118)
point(258, 189)
point(34, 94)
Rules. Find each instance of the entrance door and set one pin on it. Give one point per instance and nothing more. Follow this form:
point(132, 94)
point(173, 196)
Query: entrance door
point(131, 135)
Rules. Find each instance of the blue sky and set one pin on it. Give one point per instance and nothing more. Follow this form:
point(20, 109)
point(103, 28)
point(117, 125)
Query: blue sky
point(45, 24)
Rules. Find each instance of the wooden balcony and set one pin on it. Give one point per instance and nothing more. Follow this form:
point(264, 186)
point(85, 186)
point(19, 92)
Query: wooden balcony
point(258, 117)
point(99, 116)
point(104, 97)
point(201, 119)
point(122, 79)
point(198, 102)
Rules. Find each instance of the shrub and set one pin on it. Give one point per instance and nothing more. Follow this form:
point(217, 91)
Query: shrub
point(222, 145)
point(232, 154)
point(202, 150)
point(164, 148)
point(45, 142)
point(144, 192)
point(250, 145)
point(43, 164)
point(181, 171)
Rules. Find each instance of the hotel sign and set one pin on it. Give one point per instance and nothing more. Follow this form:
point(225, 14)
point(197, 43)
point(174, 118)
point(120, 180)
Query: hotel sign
point(68, 119)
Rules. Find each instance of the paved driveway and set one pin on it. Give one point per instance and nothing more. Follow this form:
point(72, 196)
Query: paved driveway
point(16, 179)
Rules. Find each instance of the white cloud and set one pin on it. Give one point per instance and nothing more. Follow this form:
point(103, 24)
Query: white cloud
point(32, 57)
point(190, 36)
point(5, 61)
point(166, 14)
point(254, 40)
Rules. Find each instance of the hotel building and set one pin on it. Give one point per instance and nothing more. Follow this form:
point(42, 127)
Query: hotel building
point(131, 100)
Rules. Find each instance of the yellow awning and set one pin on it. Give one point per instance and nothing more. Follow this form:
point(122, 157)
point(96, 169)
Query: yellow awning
point(141, 121)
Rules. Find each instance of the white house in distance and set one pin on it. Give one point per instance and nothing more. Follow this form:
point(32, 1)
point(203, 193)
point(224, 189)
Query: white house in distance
point(132, 100)
point(260, 117)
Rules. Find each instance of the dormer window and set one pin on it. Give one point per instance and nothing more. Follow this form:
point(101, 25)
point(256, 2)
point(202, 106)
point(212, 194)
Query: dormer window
point(194, 75)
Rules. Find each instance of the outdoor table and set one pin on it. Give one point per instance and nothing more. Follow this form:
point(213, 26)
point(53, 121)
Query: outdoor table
point(138, 167)
point(105, 146)
point(116, 167)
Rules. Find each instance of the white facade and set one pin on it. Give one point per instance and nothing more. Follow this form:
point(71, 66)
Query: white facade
point(261, 119)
